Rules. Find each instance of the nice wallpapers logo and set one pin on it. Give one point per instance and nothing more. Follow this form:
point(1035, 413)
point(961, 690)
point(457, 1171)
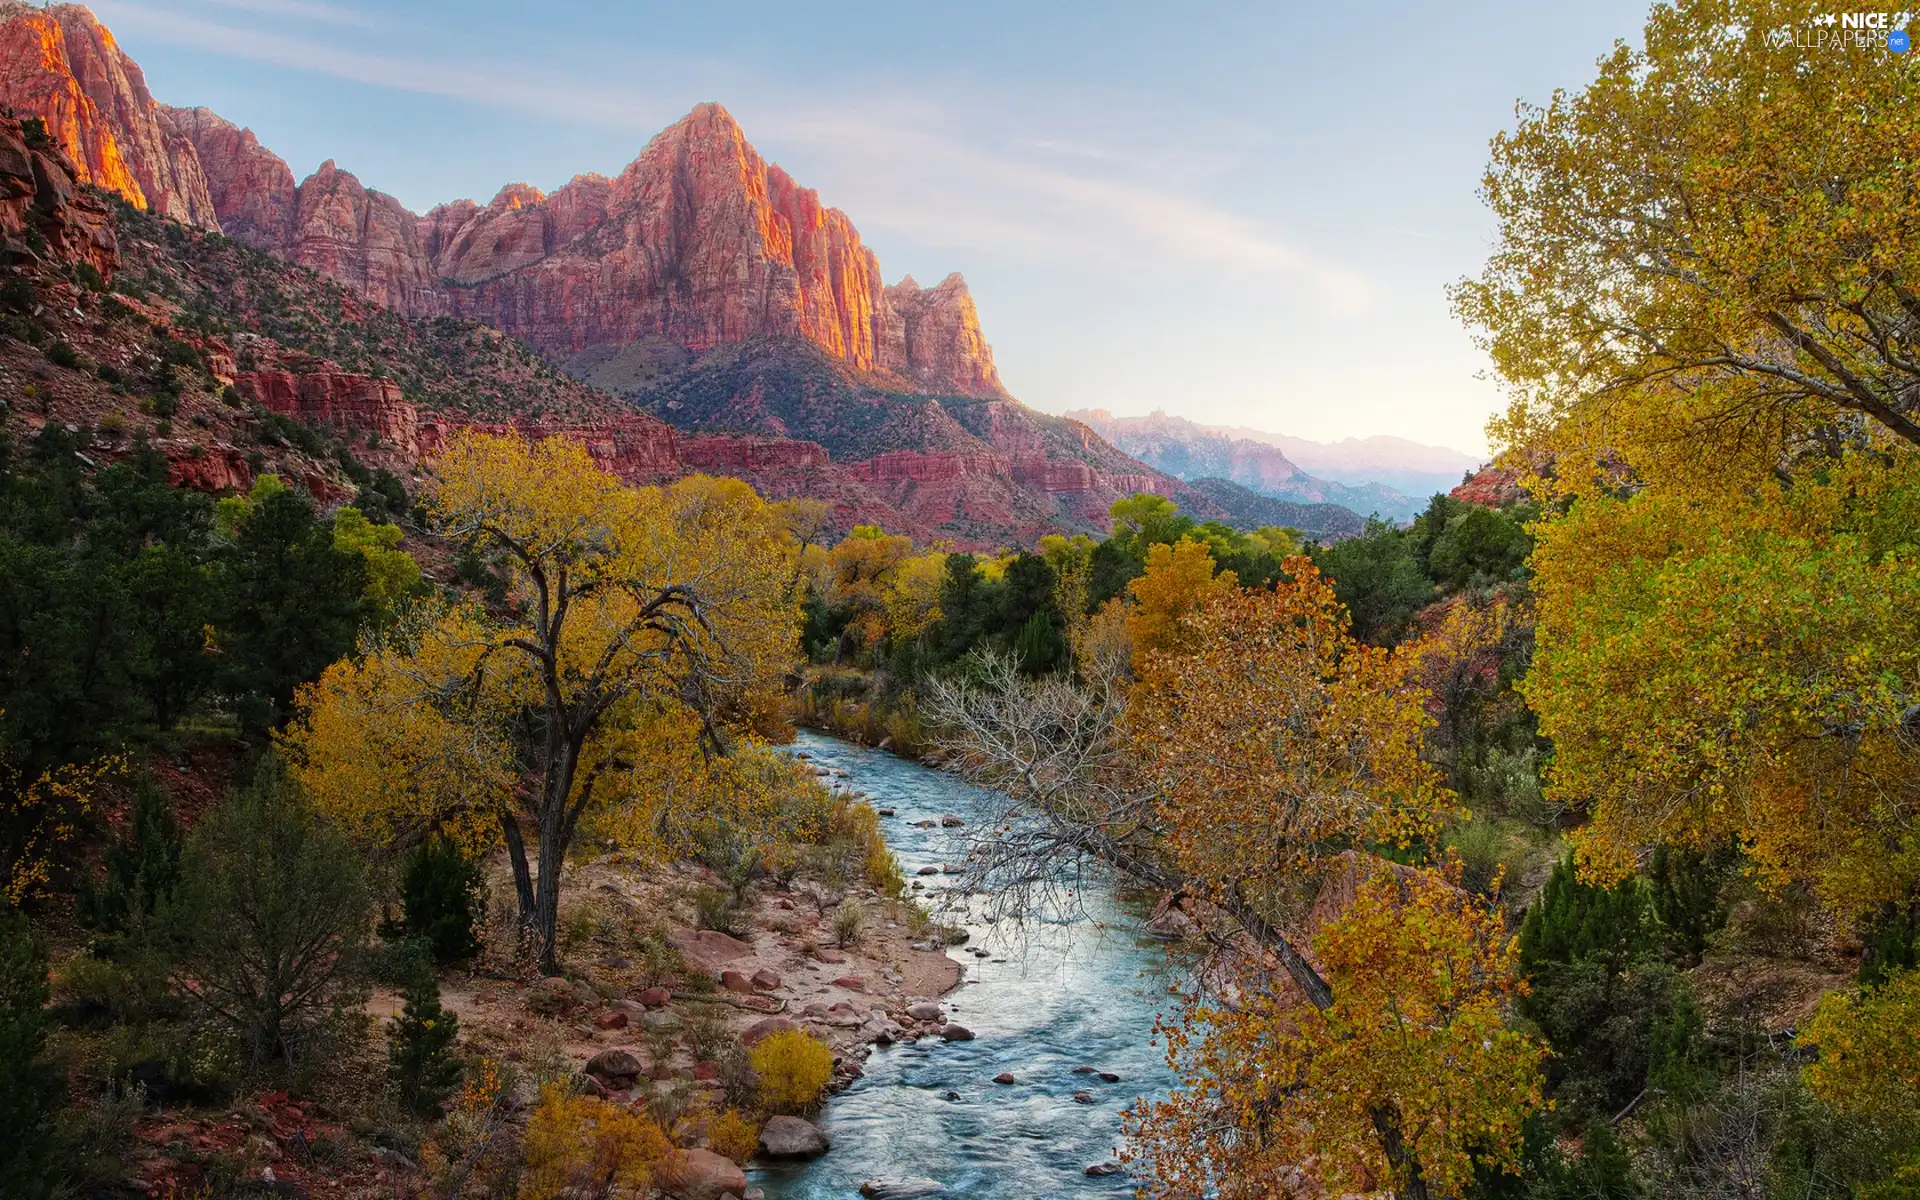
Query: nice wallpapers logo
point(1854, 31)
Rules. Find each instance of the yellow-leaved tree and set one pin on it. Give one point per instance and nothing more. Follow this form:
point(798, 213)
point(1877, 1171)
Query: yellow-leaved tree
point(1261, 752)
point(1705, 300)
point(637, 620)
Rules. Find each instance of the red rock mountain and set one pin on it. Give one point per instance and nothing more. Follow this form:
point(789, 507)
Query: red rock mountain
point(702, 283)
point(61, 65)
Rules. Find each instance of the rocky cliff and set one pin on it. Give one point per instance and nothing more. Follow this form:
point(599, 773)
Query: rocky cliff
point(61, 65)
point(44, 215)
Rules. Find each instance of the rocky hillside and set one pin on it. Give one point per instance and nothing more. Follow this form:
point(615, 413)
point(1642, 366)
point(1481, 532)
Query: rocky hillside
point(702, 285)
point(1191, 451)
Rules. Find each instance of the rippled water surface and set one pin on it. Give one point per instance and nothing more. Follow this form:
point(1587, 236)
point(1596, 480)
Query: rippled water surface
point(1049, 999)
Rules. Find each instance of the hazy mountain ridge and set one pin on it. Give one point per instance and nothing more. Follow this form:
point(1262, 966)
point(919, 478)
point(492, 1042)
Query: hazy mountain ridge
point(1193, 451)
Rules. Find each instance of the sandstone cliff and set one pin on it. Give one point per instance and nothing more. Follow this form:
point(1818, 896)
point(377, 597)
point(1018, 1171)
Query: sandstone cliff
point(40, 202)
point(61, 65)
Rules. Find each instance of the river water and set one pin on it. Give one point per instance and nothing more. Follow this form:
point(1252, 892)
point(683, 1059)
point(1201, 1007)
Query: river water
point(1051, 997)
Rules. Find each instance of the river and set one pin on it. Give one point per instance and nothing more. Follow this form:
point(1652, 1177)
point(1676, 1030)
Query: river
point(1050, 998)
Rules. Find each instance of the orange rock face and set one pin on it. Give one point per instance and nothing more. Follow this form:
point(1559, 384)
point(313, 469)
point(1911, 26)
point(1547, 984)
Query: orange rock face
point(941, 347)
point(61, 65)
point(38, 194)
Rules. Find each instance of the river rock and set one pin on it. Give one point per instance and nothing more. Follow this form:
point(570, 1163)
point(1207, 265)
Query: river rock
point(1109, 1077)
point(1004, 1077)
point(885, 812)
point(700, 1175)
point(616, 1068)
point(791, 1137)
point(927, 824)
point(765, 1028)
point(1101, 1169)
point(1083, 1097)
point(929, 869)
point(900, 1189)
point(956, 1033)
point(949, 821)
point(925, 1010)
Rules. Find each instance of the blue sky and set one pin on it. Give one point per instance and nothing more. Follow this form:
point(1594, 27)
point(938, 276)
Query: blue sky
point(1241, 213)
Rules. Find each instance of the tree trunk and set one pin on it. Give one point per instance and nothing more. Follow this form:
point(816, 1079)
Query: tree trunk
point(1408, 1183)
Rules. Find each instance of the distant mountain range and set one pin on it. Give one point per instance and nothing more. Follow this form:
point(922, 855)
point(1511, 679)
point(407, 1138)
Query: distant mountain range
point(698, 296)
point(1390, 476)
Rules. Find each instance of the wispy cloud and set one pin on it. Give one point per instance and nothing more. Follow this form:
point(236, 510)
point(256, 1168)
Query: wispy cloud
point(300, 10)
point(912, 167)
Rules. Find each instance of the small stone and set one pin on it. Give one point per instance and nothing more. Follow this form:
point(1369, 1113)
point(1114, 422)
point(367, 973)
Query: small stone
point(1101, 1169)
point(953, 1095)
point(852, 983)
point(1083, 1097)
point(1083, 1070)
point(1109, 1077)
point(1003, 1077)
point(735, 982)
point(900, 1189)
point(928, 824)
point(951, 822)
point(705, 1072)
point(956, 1033)
point(786, 904)
point(660, 1022)
point(928, 870)
point(611, 1019)
point(654, 997)
point(832, 958)
point(925, 1010)
point(885, 812)
point(765, 1028)
point(614, 1067)
point(766, 979)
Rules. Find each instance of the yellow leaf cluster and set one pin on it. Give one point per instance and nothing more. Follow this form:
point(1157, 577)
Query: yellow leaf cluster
point(1415, 1039)
point(1869, 1044)
point(793, 1068)
point(583, 1146)
point(44, 814)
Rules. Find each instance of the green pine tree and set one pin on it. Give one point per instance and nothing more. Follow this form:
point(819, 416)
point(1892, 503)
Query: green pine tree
point(31, 1092)
point(142, 868)
point(421, 1064)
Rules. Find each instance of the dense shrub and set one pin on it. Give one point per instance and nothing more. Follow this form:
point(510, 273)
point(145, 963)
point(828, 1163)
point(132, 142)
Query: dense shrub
point(268, 922)
point(733, 1135)
point(31, 1091)
point(1687, 898)
point(794, 1069)
point(142, 866)
point(442, 899)
point(580, 1146)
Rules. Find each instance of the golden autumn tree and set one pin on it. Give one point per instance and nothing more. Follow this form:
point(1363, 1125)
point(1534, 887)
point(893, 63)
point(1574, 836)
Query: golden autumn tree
point(1260, 748)
point(1705, 301)
point(1410, 1067)
point(636, 619)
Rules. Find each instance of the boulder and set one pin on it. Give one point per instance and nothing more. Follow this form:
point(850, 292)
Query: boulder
point(885, 812)
point(900, 1189)
point(1083, 1097)
point(708, 948)
point(792, 1137)
point(1109, 1077)
point(734, 981)
point(956, 1033)
point(615, 1068)
point(766, 979)
point(700, 1175)
point(613, 1018)
point(928, 870)
point(654, 997)
point(925, 1010)
point(852, 983)
point(1004, 1077)
point(1102, 1169)
point(951, 822)
point(763, 1029)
